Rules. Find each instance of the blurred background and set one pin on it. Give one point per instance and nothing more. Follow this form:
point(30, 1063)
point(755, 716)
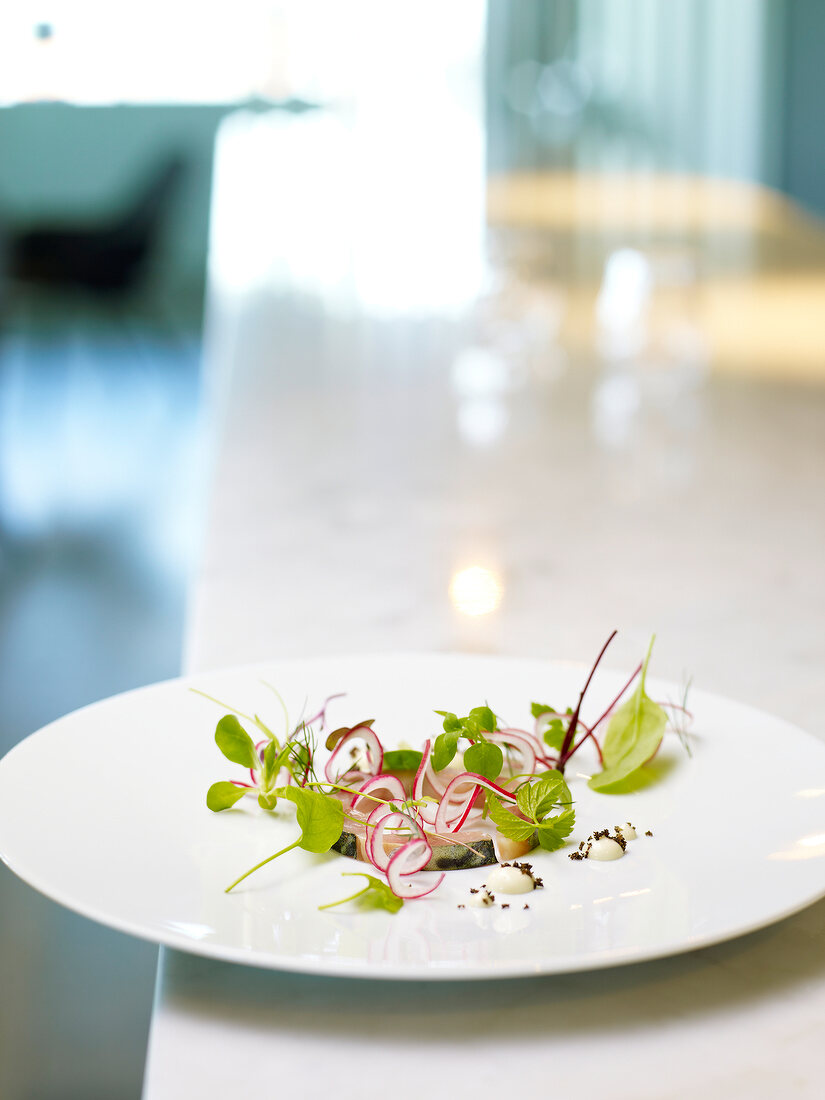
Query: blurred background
point(628, 185)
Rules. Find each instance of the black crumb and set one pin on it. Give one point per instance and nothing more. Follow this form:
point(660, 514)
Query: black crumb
point(505, 907)
point(473, 890)
point(461, 907)
point(526, 906)
point(648, 833)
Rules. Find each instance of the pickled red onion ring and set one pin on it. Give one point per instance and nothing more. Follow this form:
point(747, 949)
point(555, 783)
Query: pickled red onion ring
point(517, 739)
point(375, 752)
point(407, 862)
point(376, 853)
point(382, 782)
point(444, 822)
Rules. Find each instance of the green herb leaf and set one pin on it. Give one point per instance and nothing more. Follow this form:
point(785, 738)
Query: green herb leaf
point(221, 796)
point(634, 733)
point(537, 709)
point(235, 743)
point(274, 759)
point(375, 895)
point(485, 759)
point(320, 816)
point(402, 760)
point(444, 749)
point(267, 801)
point(536, 800)
point(553, 791)
point(481, 719)
point(514, 828)
point(554, 734)
point(451, 721)
point(554, 831)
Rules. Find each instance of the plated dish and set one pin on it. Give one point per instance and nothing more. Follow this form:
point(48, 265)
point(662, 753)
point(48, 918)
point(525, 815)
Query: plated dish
point(104, 811)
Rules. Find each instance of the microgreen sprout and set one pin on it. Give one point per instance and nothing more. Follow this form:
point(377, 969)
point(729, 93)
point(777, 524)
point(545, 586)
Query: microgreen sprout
point(375, 895)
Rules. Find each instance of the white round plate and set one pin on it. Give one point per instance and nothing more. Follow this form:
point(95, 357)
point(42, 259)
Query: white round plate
point(104, 812)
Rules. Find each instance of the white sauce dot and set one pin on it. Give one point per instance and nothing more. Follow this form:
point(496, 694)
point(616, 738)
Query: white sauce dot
point(605, 848)
point(627, 831)
point(481, 899)
point(510, 880)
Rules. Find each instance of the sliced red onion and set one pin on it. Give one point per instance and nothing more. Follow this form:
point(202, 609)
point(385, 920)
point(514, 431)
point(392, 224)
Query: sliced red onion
point(467, 810)
point(521, 741)
point(411, 858)
point(428, 810)
point(375, 752)
point(395, 819)
point(418, 782)
point(371, 823)
point(448, 820)
point(383, 782)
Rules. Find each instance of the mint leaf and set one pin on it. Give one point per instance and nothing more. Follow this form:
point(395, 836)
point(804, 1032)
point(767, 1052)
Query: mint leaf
point(553, 831)
point(375, 895)
point(634, 733)
point(402, 760)
point(221, 796)
point(514, 828)
point(485, 759)
point(444, 749)
point(235, 743)
point(320, 816)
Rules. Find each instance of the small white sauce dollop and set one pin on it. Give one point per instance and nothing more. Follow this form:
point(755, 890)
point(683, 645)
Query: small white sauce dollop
point(605, 848)
point(510, 880)
point(628, 831)
point(481, 898)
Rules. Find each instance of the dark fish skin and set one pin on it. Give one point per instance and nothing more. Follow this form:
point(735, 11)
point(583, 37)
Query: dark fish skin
point(347, 845)
point(446, 857)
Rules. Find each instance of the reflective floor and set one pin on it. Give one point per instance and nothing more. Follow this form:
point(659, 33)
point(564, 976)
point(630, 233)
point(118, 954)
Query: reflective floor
point(99, 494)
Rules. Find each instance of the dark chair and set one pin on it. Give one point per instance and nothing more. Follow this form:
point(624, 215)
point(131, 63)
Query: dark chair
point(107, 257)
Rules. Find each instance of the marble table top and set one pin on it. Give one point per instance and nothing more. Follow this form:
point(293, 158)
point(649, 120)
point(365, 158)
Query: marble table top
point(464, 479)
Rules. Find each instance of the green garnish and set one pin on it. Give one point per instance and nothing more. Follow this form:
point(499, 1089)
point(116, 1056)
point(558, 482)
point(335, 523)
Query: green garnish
point(634, 733)
point(221, 796)
point(479, 721)
point(484, 758)
point(542, 807)
point(235, 743)
point(535, 801)
point(375, 895)
point(402, 760)
point(321, 819)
